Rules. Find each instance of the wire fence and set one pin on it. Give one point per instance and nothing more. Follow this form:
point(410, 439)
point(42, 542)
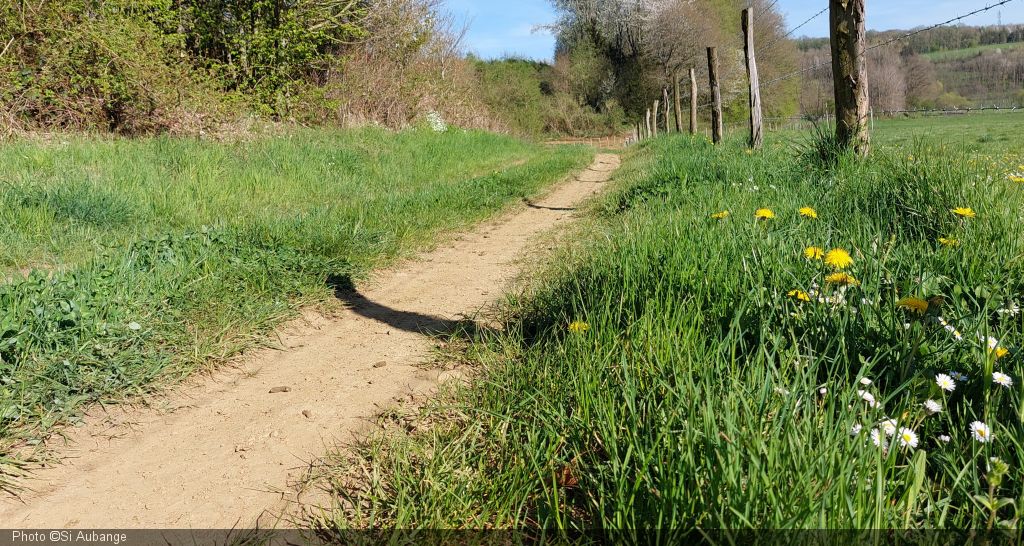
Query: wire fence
point(828, 63)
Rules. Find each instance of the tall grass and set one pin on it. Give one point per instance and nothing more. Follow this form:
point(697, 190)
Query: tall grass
point(714, 378)
point(157, 257)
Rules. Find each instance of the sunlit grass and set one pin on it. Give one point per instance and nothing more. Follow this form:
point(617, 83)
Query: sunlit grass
point(726, 377)
point(158, 257)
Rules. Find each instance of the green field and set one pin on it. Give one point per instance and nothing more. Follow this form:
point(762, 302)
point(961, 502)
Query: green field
point(966, 53)
point(684, 364)
point(131, 263)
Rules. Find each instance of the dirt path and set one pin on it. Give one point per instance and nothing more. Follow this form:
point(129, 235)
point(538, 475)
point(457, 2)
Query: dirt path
point(222, 452)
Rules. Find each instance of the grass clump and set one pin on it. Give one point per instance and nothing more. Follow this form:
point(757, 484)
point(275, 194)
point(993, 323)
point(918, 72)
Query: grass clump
point(697, 365)
point(154, 258)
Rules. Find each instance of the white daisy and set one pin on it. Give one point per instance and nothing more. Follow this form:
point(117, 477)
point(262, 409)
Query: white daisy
point(1001, 379)
point(878, 439)
point(1012, 309)
point(933, 407)
point(889, 426)
point(869, 398)
point(945, 382)
point(908, 438)
point(855, 429)
point(981, 432)
point(865, 381)
point(823, 391)
point(944, 438)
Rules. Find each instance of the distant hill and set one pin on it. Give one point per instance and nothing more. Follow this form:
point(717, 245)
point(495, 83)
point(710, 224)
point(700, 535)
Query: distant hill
point(946, 67)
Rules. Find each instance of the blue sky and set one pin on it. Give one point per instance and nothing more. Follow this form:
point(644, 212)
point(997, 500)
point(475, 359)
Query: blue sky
point(506, 27)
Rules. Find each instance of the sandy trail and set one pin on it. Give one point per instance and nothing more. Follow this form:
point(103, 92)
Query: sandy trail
point(223, 451)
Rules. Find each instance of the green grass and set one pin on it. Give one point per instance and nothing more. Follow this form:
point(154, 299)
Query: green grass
point(705, 393)
point(157, 257)
point(968, 52)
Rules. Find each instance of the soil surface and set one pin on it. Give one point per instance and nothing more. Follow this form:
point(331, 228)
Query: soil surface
point(226, 450)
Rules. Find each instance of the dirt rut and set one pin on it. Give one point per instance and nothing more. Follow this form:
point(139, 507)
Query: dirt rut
point(224, 450)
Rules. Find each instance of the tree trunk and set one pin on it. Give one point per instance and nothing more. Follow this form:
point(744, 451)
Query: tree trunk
point(756, 128)
point(716, 97)
point(850, 74)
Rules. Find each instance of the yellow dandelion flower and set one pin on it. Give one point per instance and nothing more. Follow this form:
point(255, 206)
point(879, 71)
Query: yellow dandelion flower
point(843, 279)
point(814, 253)
point(808, 212)
point(964, 212)
point(799, 295)
point(948, 242)
point(917, 305)
point(1019, 179)
point(1001, 352)
point(721, 215)
point(579, 327)
point(764, 214)
point(838, 258)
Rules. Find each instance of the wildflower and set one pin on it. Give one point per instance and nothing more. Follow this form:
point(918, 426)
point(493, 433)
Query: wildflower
point(869, 398)
point(436, 122)
point(838, 259)
point(579, 327)
point(823, 391)
point(945, 382)
point(842, 279)
point(808, 212)
point(957, 376)
point(764, 214)
point(799, 295)
point(889, 426)
point(814, 253)
point(878, 439)
point(721, 215)
point(944, 438)
point(1001, 379)
point(865, 381)
point(1011, 309)
point(1018, 178)
point(948, 242)
point(917, 305)
point(981, 432)
point(932, 407)
point(908, 438)
point(855, 429)
point(951, 329)
point(964, 212)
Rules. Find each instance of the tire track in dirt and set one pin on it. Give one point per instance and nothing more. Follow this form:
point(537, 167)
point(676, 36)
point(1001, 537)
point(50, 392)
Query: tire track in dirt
point(222, 451)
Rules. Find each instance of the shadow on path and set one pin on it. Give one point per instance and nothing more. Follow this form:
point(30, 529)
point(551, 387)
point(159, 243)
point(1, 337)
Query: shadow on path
point(407, 321)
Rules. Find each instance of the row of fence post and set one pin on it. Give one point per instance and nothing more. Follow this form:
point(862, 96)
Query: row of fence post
point(847, 23)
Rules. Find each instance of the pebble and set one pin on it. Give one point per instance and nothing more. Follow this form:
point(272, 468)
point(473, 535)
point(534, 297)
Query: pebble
point(276, 390)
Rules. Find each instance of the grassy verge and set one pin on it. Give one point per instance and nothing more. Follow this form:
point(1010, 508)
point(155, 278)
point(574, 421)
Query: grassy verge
point(161, 256)
point(693, 366)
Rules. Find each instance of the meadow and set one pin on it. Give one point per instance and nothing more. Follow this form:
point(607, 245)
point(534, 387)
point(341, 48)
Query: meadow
point(130, 264)
point(776, 339)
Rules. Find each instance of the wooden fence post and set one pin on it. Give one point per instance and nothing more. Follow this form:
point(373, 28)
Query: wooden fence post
point(850, 74)
point(693, 101)
point(647, 134)
point(716, 96)
point(654, 126)
point(678, 102)
point(756, 128)
point(667, 107)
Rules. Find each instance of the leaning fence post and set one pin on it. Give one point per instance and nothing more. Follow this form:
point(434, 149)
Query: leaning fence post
point(678, 102)
point(850, 73)
point(648, 124)
point(654, 126)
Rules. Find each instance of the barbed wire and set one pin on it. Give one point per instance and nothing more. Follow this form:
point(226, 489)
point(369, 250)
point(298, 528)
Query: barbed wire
point(768, 47)
point(937, 25)
point(888, 42)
